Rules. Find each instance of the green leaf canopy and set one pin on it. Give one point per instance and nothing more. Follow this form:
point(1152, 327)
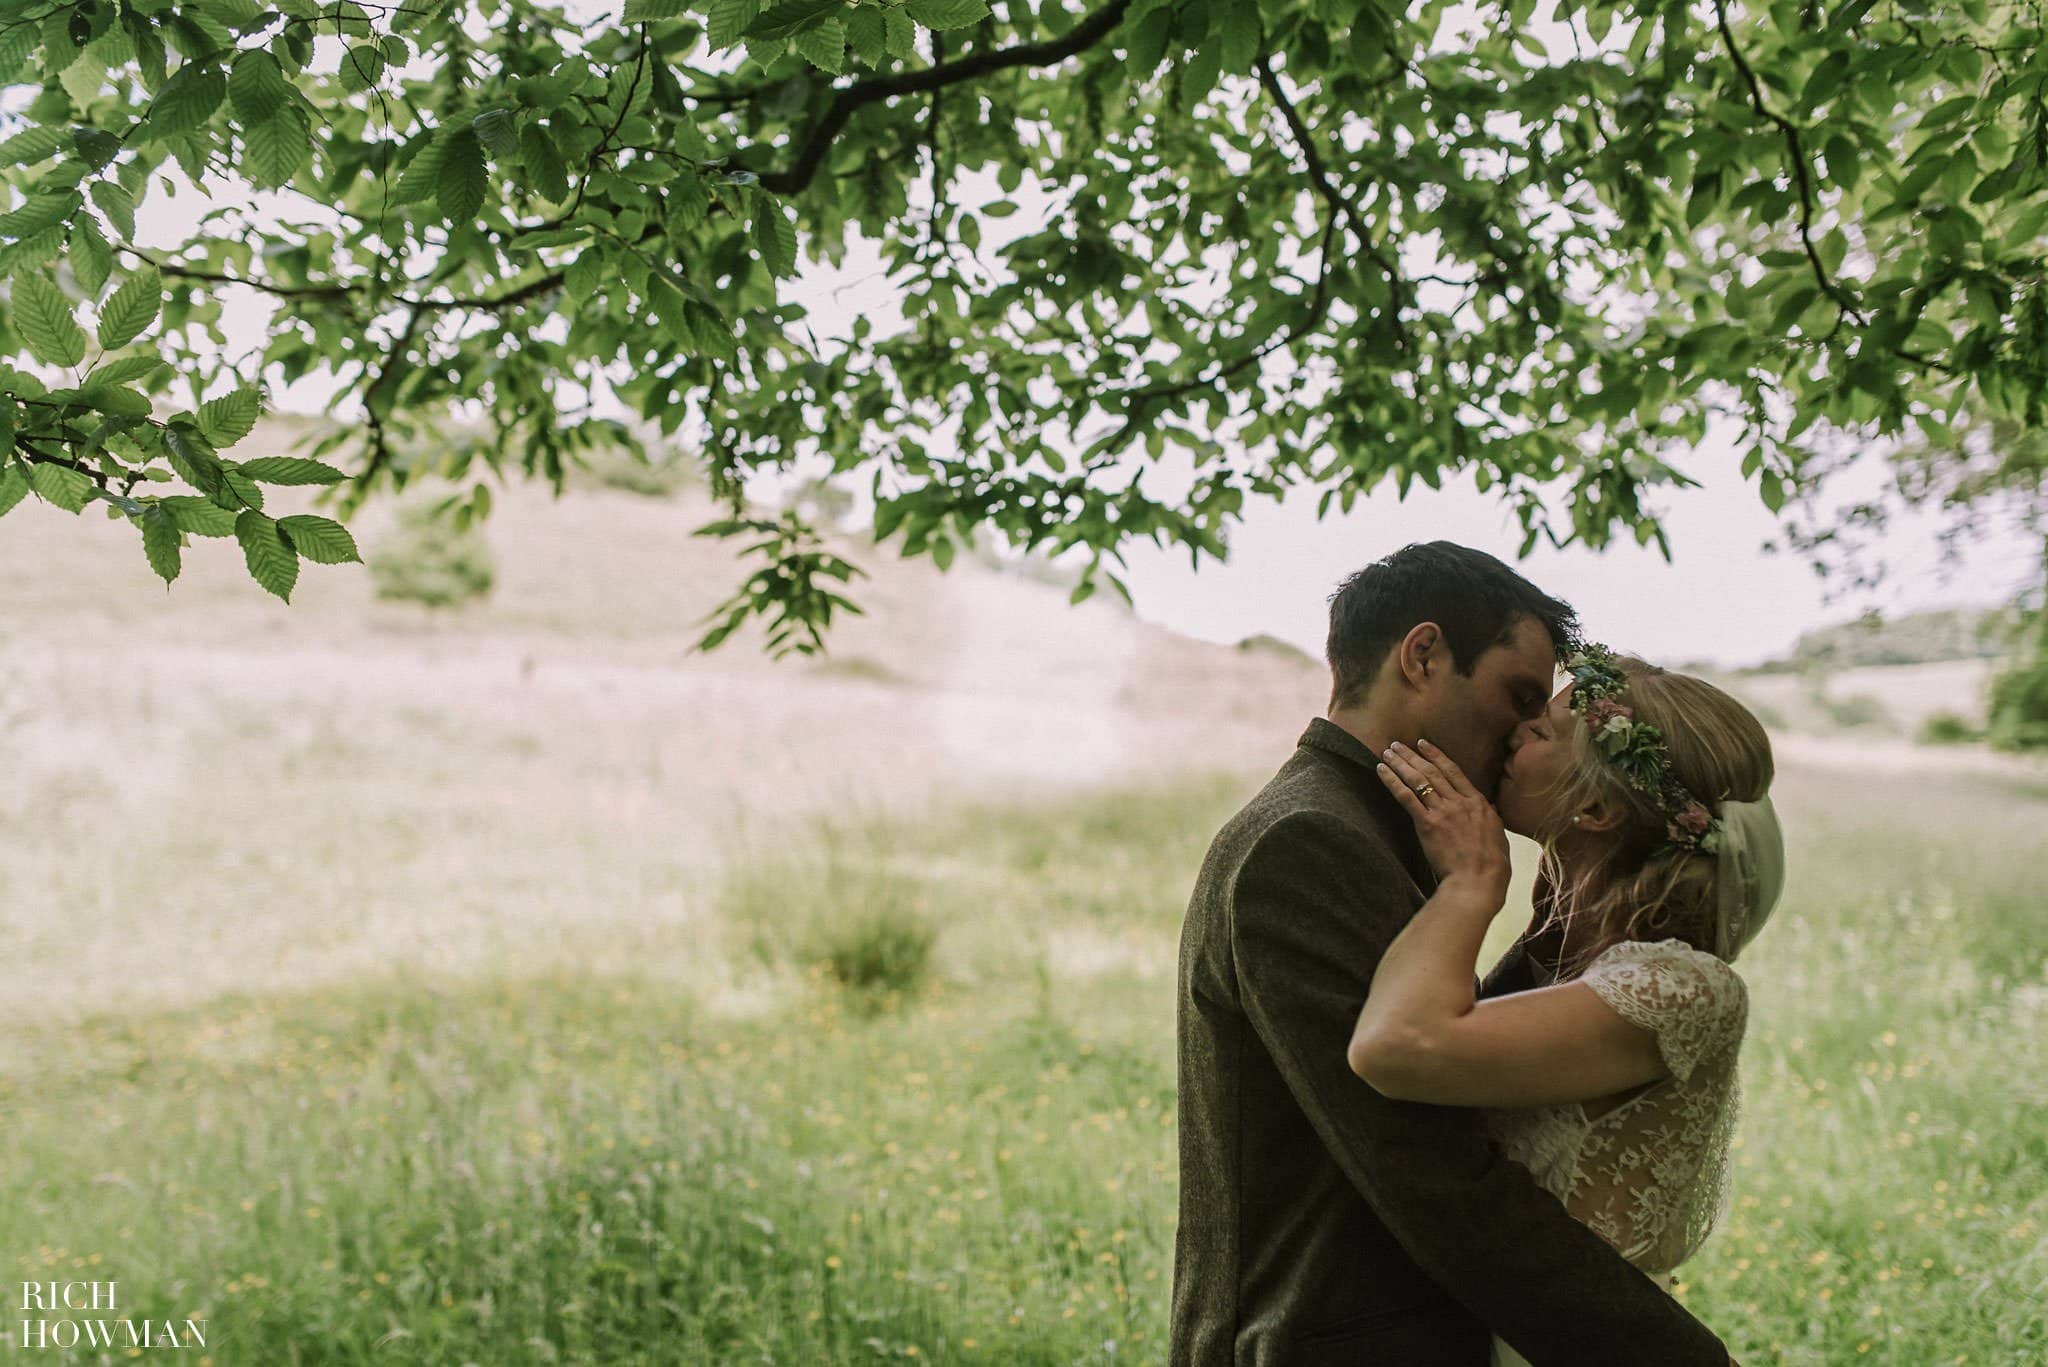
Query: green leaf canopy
point(1301, 243)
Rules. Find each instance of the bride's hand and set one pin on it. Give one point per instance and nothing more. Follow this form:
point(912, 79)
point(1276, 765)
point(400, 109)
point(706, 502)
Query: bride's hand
point(1461, 832)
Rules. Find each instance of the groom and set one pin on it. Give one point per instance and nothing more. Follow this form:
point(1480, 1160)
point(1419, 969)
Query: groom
point(1321, 1223)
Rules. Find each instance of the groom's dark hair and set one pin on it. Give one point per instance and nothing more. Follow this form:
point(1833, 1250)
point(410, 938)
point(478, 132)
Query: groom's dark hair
point(1475, 598)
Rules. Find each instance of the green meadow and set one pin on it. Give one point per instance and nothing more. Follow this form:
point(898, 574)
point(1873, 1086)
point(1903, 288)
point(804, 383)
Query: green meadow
point(905, 1090)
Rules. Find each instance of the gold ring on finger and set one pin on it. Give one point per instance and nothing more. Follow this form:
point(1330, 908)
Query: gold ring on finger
point(1425, 790)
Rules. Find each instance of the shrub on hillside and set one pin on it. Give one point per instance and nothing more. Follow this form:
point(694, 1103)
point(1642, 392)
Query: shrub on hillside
point(427, 560)
point(2019, 706)
point(1859, 710)
point(1264, 644)
point(1948, 728)
point(663, 475)
point(1767, 716)
point(858, 669)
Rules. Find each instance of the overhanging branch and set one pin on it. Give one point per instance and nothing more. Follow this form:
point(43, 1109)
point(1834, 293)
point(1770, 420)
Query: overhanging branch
point(1080, 38)
point(1801, 174)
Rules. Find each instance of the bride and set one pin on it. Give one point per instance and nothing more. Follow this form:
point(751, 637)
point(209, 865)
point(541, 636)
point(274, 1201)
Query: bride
point(1605, 1049)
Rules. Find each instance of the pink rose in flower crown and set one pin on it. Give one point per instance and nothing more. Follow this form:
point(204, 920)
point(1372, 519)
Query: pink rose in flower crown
point(1694, 819)
point(1605, 710)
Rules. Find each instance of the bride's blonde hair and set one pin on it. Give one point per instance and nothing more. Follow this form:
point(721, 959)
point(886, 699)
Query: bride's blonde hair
point(1640, 888)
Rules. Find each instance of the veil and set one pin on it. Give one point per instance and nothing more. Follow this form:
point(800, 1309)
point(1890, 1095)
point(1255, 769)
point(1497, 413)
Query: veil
point(1751, 874)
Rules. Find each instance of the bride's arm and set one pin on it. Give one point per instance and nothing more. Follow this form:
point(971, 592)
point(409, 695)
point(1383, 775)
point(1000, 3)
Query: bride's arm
point(1423, 1036)
point(1536, 1048)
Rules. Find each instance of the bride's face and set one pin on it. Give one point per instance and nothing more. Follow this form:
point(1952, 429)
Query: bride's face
point(1538, 753)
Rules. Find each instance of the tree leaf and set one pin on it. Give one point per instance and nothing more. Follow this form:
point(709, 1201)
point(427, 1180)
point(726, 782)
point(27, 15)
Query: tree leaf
point(13, 487)
point(193, 457)
point(237, 491)
point(91, 259)
point(868, 33)
point(161, 541)
point(39, 211)
point(1235, 30)
point(257, 87)
point(421, 178)
point(117, 204)
point(30, 146)
point(96, 146)
point(947, 14)
point(463, 178)
point(291, 470)
point(231, 417)
point(85, 79)
point(117, 399)
point(43, 318)
point(321, 540)
point(585, 273)
point(272, 561)
point(823, 46)
point(122, 370)
point(899, 32)
point(187, 100)
point(774, 235)
point(543, 162)
point(498, 131)
point(361, 66)
point(729, 20)
point(69, 489)
point(275, 150)
point(130, 310)
point(791, 18)
point(199, 516)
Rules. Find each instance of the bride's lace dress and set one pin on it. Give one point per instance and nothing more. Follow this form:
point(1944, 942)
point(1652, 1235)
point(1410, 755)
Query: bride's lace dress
point(1649, 1175)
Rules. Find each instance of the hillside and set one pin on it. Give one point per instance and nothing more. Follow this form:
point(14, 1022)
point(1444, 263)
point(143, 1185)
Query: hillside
point(972, 676)
point(971, 679)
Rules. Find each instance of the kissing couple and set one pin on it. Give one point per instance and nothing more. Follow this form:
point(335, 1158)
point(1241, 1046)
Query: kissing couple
point(1386, 1161)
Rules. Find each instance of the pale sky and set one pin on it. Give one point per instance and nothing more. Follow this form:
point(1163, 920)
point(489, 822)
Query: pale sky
point(1722, 599)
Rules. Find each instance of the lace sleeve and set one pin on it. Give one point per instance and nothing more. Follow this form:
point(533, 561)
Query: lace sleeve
point(1694, 1004)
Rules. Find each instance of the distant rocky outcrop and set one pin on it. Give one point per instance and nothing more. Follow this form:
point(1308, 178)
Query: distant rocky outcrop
point(1908, 639)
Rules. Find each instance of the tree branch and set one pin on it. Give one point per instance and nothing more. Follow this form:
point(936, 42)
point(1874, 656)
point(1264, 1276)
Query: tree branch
point(862, 93)
point(1800, 172)
point(380, 449)
point(1141, 401)
point(91, 472)
point(1337, 200)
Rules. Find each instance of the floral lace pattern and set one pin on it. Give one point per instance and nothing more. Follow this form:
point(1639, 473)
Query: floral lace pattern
point(1651, 1175)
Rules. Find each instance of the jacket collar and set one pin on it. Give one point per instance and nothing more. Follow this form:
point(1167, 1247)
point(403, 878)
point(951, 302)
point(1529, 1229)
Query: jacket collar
point(1360, 764)
point(1327, 736)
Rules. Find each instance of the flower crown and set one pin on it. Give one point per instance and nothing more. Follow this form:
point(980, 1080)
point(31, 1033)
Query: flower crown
point(1637, 748)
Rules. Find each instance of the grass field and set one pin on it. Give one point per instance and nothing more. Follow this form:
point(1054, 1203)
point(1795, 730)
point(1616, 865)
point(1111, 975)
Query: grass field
point(743, 1145)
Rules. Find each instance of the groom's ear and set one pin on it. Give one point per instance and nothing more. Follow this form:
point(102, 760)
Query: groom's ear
point(1421, 653)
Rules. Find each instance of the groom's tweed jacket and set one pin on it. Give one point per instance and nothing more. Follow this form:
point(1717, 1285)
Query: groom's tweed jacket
point(1321, 1223)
